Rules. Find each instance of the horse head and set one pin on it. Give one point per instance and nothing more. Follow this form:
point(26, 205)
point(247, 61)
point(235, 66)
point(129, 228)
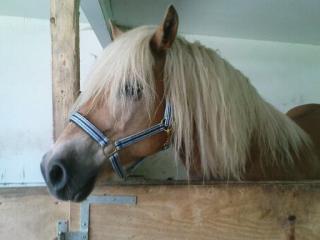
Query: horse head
point(124, 96)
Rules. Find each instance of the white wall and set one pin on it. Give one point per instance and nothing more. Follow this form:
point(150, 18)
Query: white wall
point(25, 103)
point(285, 74)
point(25, 94)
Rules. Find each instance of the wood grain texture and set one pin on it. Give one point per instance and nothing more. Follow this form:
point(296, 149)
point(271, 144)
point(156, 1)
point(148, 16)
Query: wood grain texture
point(65, 59)
point(221, 211)
point(30, 214)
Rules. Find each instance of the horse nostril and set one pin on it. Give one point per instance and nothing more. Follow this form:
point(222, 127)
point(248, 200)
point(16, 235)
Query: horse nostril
point(58, 176)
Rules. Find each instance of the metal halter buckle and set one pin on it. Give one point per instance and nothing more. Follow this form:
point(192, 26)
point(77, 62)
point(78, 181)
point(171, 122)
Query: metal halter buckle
point(168, 131)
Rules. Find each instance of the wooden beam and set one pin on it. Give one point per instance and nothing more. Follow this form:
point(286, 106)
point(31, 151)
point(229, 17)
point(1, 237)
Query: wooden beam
point(65, 60)
point(208, 212)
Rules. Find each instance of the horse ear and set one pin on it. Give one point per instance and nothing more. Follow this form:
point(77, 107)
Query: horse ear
point(166, 33)
point(115, 30)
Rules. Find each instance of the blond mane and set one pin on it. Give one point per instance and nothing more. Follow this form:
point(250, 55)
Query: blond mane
point(215, 106)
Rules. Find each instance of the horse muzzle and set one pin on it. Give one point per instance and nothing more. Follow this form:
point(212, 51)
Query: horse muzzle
point(61, 184)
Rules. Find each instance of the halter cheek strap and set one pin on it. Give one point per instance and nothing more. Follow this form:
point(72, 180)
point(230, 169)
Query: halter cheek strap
point(104, 141)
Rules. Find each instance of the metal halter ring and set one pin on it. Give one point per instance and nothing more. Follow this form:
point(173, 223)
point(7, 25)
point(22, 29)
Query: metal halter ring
point(108, 154)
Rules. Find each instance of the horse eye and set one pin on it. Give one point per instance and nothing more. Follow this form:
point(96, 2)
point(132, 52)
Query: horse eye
point(133, 91)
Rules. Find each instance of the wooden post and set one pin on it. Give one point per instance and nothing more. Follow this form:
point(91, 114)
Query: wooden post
point(65, 60)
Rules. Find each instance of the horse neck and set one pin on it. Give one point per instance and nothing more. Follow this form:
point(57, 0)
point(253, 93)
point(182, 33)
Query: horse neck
point(241, 120)
point(294, 157)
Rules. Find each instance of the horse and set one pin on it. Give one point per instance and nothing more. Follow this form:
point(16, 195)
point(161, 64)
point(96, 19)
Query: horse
point(151, 88)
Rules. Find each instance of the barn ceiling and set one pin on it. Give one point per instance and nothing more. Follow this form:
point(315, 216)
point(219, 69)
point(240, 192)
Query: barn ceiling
point(294, 21)
point(28, 9)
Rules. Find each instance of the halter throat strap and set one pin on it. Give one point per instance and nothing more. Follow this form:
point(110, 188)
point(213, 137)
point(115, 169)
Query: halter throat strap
point(104, 141)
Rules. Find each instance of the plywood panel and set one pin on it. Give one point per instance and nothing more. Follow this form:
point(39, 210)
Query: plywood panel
point(220, 211)
point(29, 214)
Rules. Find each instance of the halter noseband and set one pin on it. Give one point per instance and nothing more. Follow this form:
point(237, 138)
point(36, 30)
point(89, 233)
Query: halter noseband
point(104, 141)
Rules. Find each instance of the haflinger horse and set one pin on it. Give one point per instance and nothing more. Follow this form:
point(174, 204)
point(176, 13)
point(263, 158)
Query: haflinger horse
point(151, 88)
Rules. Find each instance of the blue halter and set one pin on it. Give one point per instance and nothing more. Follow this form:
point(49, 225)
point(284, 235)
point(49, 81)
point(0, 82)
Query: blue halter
point(104, 141)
